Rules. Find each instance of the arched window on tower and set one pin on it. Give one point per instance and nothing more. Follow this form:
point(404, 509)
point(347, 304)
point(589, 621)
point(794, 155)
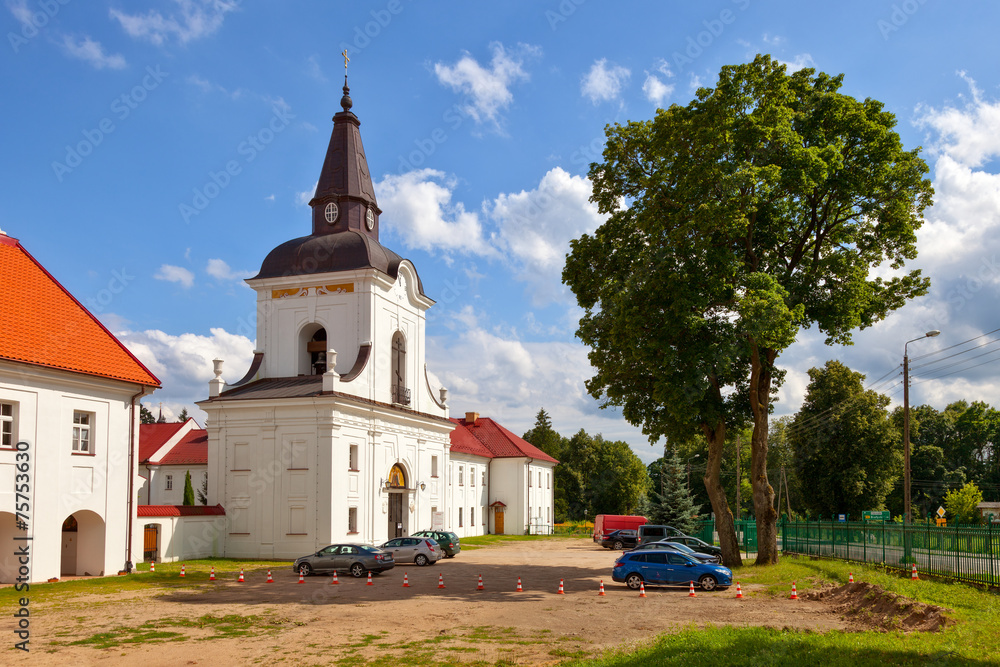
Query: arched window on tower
point(316, 348)
point(400, 393)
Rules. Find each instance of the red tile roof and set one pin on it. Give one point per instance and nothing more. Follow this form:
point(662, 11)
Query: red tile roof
point(464, 442)
point(180, 510)
point(154, 436)
point(191, 450)
point(43, 324)
point(498, 441)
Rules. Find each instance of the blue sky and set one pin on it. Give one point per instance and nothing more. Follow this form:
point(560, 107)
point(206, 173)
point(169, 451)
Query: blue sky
point(479, 123)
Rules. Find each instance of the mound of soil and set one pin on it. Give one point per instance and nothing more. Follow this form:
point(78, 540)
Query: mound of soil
point(872, 607)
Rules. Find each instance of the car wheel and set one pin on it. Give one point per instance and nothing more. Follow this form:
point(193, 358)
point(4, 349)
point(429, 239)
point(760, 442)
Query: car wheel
point(420, 560)
point(358, 570)
point(634, 581)
point(306, 569)
point(618, 546)
point(708, 583)
point(450, 556)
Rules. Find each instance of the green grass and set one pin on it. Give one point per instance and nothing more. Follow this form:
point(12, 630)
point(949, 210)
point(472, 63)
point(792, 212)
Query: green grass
point(974, 640)
point(223, 627)
point(489, 540)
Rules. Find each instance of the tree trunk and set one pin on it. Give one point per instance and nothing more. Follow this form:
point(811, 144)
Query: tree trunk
point(720, 504)
point(763, 494)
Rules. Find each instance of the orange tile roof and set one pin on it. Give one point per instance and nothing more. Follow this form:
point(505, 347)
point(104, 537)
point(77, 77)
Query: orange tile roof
point(43, 324)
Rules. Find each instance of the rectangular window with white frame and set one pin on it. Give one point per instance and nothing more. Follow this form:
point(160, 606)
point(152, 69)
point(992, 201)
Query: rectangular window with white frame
point(352, 520)
point(461, 475)
point(434, 466)
point(353, 460)
point(8, 424)
point(472, 516)
point(548, 480)
point(459, 517)
point(83, 424)
point(168, 483)
point(472, 476)
point(484, 476)
point(485, 517)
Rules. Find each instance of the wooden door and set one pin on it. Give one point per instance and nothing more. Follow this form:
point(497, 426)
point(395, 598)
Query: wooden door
point(498, 523)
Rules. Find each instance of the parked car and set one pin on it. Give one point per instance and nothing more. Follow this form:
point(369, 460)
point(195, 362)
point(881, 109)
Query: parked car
point(358, 559)
point(447, 540)
point(418, 550)
point(696, 544)
point(662, 567)
point(654, 533)
point(680, 548)
point(620, 539)
point(605, 524)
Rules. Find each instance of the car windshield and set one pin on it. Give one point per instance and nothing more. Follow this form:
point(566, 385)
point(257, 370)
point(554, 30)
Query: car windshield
point(368, 549)
point(680, 547)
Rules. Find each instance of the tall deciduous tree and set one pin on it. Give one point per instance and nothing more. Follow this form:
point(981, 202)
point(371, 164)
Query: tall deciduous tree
point(848, 452)
point(961, 503)
point(758, 209)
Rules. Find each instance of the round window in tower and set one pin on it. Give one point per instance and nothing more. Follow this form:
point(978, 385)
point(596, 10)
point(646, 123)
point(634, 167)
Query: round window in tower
point(370, 219)
point(331, 213)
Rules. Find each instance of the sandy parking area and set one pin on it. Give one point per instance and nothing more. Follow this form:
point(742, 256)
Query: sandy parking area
point(317, 623)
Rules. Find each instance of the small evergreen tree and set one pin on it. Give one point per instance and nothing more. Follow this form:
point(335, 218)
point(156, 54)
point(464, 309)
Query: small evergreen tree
point(674, 506)
point(188, 489)
point(183, 416)
point(203, 491)
point(145, 416)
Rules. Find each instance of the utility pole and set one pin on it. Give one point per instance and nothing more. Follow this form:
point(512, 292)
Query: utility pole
point(907, 517)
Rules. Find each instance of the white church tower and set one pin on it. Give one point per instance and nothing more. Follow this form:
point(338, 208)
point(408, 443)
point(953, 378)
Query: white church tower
point(336, 433)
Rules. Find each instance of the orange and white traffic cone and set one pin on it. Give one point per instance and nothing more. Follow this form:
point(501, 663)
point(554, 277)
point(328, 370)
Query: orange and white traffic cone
point(406, 580)
point(480, 587)
point(302, 576)
point(691, 593)
point(211, 575)
point(739, 591)
point(182, 570)
point(850, 577)
point(795, 595)
point(369, 579)
point(642, 590)
point(241, 579)
point(269, 579)
point(334, 581)
point(561, 591)
point(913, 573)
point(152, 566)
point(602, 588)
point(519, 589)
point(440, 580)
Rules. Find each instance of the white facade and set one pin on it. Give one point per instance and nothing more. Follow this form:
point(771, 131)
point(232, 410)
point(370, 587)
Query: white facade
point(89, 486)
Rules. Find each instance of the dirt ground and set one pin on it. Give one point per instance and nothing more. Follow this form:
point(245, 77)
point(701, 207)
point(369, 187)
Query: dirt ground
point(319, 623)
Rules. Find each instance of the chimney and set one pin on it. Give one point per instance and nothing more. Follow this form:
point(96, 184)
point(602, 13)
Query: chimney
point(471, 418)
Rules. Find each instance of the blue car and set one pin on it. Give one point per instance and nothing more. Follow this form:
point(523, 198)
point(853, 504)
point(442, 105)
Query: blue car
point(668, 568)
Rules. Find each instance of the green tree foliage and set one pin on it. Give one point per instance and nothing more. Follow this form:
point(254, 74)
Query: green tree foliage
point(145, 416)
point(203, 492)
point(618, 480)
point(543, 436)
point(848, 452)
point(758, 209)
point(188, 489)
point(961, 504)
point(672, 504)
point(183, 416)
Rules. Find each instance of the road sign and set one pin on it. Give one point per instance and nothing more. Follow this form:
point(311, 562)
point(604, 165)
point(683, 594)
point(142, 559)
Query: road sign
point(941, 512)
point(876, 515)
point(841, 517)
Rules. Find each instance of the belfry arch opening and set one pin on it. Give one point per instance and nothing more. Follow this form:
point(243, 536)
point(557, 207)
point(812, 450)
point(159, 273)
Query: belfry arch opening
point(313, 347)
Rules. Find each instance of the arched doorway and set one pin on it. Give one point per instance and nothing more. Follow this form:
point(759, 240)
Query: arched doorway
point(397, 490)
point(313, 347)
point(83, 544)
point(8, 561)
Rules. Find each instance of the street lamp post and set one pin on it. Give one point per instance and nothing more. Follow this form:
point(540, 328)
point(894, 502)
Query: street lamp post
point(689, 470)
point(907, 518)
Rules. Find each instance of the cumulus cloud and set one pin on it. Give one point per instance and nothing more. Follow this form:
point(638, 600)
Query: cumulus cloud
point(194, 19)
point(655, 90)
point(603, 83)
point(800, 61)
point(487, 88)
point(217, 268)
point(175, 274)
point(92, 52)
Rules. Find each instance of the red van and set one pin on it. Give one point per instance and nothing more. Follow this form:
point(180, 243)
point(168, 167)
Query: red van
point(605, 523)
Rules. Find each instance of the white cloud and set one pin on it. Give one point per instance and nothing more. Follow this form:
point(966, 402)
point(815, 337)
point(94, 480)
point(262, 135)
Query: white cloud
point(269, 198)
point(183, 363)
point(197, 18)
point(488, 89)
point(207, 86)
point(313, 68)
point(655, 90)
point(534, 229)
point(603, 83)
point(92, 52)
point(418, 207)
point(217, 268)
point(695, 83)
point(799, 61)
point(21, 11)
point(175, 274)
point(303, 198)
point(968, 134)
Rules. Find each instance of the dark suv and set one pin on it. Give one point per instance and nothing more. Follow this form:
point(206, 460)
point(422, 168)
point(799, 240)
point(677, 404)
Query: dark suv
point(448, 541)
point(620, 539)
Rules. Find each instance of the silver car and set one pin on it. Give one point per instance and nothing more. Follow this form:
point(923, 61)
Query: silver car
point(358, 559)
point(419, 550)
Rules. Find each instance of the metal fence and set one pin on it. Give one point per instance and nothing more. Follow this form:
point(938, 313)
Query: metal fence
point(966, 553)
